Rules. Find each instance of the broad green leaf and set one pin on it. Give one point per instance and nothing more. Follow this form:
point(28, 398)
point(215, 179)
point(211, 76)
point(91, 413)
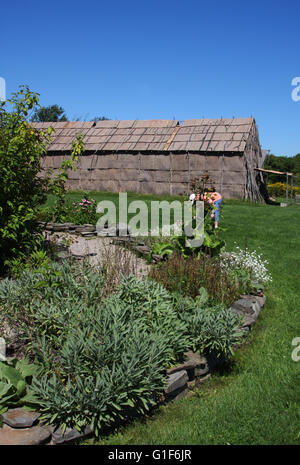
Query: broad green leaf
point(10, 373)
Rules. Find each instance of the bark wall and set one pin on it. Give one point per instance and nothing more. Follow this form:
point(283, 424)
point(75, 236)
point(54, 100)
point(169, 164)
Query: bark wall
point(154, 173)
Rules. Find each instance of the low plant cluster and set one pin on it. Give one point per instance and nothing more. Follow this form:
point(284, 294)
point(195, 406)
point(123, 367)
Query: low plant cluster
point(188, 275)
point(224, 277)
point(278, 189)
point(247, 268)
point(103, 358)
point(79, 212)
point(179, 243)
point(15, 384)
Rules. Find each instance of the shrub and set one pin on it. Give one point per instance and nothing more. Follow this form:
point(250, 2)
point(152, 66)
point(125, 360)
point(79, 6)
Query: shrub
point(278, 189)
point(21, 190)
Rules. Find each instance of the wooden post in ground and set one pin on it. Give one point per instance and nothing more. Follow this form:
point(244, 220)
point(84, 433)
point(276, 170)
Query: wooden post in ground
point(292, 188)
point(287, 188)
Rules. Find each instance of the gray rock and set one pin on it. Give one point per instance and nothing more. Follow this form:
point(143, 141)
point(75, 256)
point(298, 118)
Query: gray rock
point(88, 233)
point(261, 300)
point(114, 229)
point(245, 306)
point(111, 231)
point(62, 255)
point(58, 437)
point(143, 249)
point(2, 349)
point(20, 418)
point(194, 363)
point(156, 258)
point(176, 381)
point(85, 228)
point(59, 227)
point(202, 370)
point(177, 395)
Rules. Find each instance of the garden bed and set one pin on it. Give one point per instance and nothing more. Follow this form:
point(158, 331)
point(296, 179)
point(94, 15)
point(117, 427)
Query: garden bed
point(173, 326)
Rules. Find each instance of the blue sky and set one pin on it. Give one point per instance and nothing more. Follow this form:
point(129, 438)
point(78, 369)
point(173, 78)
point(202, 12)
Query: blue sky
point(159, 60)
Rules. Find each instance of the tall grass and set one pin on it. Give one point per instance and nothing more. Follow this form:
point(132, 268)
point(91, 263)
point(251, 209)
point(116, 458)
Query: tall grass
point(188, 275)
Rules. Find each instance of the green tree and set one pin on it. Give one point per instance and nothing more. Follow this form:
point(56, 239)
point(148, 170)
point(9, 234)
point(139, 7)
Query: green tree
point(283, 164)
point(22, 189)
point(100, 118)
point(52, 113)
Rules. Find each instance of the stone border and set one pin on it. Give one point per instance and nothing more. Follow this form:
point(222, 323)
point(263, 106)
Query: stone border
point(89, 230)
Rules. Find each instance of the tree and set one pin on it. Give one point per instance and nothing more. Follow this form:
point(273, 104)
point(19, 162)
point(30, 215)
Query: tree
point(52, 113)
point(100, 118)
point(22, 189)
point(283, 164)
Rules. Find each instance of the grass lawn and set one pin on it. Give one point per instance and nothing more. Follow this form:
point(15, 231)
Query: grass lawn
point(258, 401)
point(76, 196)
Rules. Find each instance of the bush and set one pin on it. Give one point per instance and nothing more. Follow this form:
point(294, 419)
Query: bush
point(278, 189)
point(21, 190)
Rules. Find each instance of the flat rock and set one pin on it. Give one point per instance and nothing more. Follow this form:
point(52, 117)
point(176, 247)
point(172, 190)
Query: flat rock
point(58, 437)
point(143, 249)
point(156, 258)
point(20, 418)
point(176, 381)
point(2, 349)
point(111, 231)
point(60, 227)
point(85, 228)
point(259, 299)
point(177, 395)
point(63, 255)
point(244, 306)
point(88, 233)
point(192, 360)
point(24, 437)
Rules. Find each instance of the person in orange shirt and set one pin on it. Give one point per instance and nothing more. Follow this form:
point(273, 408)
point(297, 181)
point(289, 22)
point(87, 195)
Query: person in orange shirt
point(216, 199)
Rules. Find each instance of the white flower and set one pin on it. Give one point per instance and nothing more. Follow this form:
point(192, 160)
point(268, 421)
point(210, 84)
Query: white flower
point(243, 259)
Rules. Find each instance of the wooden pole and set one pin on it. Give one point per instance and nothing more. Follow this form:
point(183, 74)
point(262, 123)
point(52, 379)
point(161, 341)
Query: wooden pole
point(287, 188)
point(292, 188)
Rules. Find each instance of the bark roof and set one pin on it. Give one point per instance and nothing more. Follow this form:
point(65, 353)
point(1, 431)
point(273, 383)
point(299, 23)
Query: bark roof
point(201, 135)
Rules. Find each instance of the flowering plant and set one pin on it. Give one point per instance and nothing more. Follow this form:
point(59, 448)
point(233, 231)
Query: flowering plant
point(242, 261)
point(84, 211)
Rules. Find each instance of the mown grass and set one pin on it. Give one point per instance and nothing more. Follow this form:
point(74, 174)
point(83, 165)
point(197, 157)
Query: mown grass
point(76, 196)
point(258, 400)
